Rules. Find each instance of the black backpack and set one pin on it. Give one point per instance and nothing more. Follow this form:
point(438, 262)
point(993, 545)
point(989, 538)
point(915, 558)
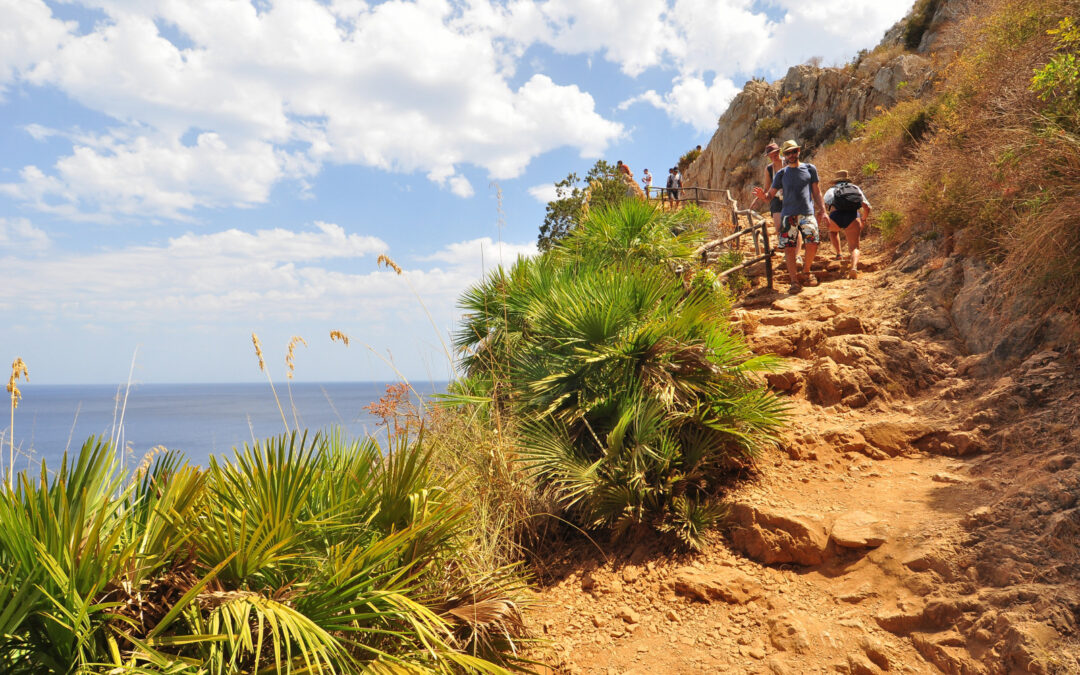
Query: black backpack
point(847, 197)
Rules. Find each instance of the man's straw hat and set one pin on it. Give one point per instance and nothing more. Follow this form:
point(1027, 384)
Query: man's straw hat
point(788, 145)
point(841, 176)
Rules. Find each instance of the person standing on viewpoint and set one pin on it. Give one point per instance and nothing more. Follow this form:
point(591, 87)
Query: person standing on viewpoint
point(646, 182)
point(803, 206)
point(845, 201)
point(775, 166)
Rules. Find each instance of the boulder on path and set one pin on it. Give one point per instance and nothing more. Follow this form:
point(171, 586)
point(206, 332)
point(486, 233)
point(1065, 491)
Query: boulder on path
point(894, 437)
point(858, 529)
point(771, 536)
point(727, 584)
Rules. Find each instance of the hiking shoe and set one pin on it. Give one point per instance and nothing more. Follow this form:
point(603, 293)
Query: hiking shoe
point(794, 288)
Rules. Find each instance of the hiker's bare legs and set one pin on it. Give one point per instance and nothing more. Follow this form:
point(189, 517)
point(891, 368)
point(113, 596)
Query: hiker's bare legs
point(792, 269)
point(810, 250)
point(834, 234)
point(852, 233)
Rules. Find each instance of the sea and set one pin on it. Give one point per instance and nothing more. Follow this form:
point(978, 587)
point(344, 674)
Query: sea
point(198, 419)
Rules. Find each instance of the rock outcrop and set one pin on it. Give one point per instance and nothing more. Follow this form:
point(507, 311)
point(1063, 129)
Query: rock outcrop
point(812, 104)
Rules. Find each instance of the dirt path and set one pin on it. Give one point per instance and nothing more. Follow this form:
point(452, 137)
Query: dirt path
point(856, 548)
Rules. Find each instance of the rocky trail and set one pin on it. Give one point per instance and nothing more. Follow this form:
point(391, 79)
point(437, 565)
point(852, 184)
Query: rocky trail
point(921, 516)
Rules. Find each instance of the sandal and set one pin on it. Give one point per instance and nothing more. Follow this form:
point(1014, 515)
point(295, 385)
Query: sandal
point(811, 280)
point(853, 274)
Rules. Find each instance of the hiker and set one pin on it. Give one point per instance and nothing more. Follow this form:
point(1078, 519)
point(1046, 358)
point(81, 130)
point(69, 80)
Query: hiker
point(798, 216)
point(678, 182)
point(848, 211)
point(623, 169)
point(646, 182)
point(672, 193)
point(775, 165)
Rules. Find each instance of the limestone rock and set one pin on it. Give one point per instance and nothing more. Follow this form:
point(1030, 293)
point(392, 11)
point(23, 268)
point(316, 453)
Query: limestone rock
point(772, 536)
point(627, 614)
point(894, 438)
point(788, 633)
point(859, 664)
point(727, 584)
point(946, 651)
point(858, 529)
point(901, 620)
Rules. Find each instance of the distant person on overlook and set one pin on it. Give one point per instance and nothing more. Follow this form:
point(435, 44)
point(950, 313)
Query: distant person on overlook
point(672, 192)
point(802, 194)
point(845, 201)
point(646, 182)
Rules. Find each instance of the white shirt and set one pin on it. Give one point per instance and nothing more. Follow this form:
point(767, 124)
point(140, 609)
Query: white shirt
point(830, 193)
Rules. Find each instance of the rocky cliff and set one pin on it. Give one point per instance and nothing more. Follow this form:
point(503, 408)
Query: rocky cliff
point(816, 105)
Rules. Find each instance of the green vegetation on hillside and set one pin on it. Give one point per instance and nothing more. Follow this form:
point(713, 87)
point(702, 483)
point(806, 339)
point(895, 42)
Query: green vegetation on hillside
point(988, 162)
point(601, 187)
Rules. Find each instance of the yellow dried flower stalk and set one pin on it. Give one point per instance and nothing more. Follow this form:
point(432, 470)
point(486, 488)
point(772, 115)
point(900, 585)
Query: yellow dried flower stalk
point(290, 362)
point(258, 351)
point(18, 368)
point(385, 260)
point(336, 335)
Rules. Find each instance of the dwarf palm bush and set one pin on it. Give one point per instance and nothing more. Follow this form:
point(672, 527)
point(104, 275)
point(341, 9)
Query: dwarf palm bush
point(298, 555)
point(634, 391)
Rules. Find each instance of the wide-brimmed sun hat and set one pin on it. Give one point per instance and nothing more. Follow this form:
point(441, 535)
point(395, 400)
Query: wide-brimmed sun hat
point(841, 176)
point(771, 148)
point(787, 146)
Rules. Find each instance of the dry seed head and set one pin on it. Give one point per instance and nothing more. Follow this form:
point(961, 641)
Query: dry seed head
point(338, 335)
point(258, 351)
point(384, 259)
point(144, 465)
point(290, 363)
point(18, 368)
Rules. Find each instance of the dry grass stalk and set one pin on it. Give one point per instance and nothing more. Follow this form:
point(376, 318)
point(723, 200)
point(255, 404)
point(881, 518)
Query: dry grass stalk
point(290, 365)
point(262, 367)
point(18, 369)
point(338, 336)
point(384, 261)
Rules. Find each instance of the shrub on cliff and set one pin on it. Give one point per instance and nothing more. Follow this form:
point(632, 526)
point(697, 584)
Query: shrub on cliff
point(634, 394)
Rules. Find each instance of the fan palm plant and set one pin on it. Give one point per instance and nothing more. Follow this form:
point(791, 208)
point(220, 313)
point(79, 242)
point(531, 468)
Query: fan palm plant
point(634, 389)
point(300, 554)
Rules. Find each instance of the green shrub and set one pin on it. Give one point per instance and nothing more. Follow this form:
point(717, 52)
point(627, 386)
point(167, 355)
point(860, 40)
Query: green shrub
point(687, 159)
point(870, 168)
point(767, 128)
point(299, 554)
point(1058, 82)
point(632, 390)
point(888, 223)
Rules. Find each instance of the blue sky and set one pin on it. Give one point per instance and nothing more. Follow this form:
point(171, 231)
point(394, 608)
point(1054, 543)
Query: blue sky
point(177, 174)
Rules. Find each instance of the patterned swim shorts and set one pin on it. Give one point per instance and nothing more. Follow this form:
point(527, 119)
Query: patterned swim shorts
point(792, 226)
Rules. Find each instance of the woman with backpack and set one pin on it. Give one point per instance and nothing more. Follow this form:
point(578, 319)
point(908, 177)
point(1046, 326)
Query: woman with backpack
point(848, 211)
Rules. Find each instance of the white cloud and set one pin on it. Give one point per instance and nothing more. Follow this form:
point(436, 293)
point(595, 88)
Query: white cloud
point(544, 193)
point(233, 276)
point(28, 34)
point(401, 86)
point(248, 97)
point(479, 256)
point(691, 101)
point(19, 235)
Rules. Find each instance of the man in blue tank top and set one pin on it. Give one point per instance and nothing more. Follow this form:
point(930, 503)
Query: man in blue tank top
point(799, 216)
